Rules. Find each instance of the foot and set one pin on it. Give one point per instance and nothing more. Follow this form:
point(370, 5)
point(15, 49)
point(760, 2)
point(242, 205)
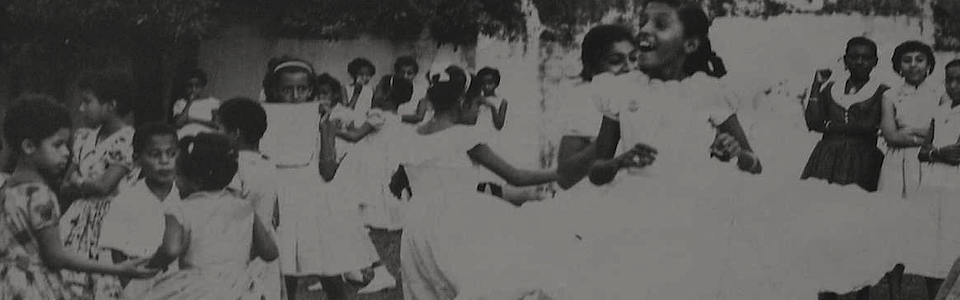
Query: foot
point(360, 277)
point(381, 280)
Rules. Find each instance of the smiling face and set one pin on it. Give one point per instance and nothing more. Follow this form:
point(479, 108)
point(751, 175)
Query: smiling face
point(661, 43)
point(914, 67)
point(51, 154)
point(158, 159)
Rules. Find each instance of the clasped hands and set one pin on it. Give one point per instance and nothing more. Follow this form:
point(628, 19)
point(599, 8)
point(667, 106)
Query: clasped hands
point(724, 148)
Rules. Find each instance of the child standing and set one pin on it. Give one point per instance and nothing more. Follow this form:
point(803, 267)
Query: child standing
point(133, 227)
point(488, 110)
point(102, 161)
point(319, 235)
point(194, 113)
point(245, 121)
point(31, 253)
point(213, 232)
point(361, 95)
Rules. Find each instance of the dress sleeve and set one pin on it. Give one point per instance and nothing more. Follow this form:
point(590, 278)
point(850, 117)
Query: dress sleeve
point(179, 106)
point(605, 95)
point(718, 99)
point(580, 115)
point(42, 207)
point(121, 152)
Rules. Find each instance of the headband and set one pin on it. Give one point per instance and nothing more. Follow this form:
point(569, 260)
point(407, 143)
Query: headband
point(294, 63)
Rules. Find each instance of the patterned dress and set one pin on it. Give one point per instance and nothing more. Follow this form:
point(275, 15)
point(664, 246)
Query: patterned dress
point(26, 208)
point(81, 223)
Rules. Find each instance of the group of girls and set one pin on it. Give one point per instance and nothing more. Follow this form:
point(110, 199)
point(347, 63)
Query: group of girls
point(651, 209)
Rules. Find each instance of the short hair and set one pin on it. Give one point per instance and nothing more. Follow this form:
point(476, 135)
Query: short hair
point(245, 115)
point(406, 61)
point(912, 46)
point(862, 41)
point(143, 135)
point(111, 86)
point(198, 74)
point(952, 64)
point(209, 159)
point(326, 79)
point(358, 63)
point(488, 71)
point(34, 117)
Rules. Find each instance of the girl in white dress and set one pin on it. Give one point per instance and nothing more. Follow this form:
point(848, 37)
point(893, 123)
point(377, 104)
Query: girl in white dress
point(908, 111)
point(675, 223)
point(213, 232)
point(194, 113)
point(320, 234)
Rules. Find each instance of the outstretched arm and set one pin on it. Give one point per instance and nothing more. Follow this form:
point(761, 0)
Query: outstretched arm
point(489, 159)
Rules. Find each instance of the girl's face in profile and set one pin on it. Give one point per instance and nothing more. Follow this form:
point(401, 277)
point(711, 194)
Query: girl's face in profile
point(51, 154)
point(94, 111)
point(914, 67)
point(294, 87)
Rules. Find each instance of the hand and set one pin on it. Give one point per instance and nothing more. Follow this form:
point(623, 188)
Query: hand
point(640, 156)
point(488, 101)
point(950, 154)
point(725, 147)
point(136, 268)
point(822, 76)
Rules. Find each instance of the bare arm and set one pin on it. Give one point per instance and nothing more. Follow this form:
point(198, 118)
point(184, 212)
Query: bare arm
point(605, 166)
point(356, 134)
point(815, 113)
point(888, 127)
point(417, 117)
point(264, 245)
point(949, 282)
point(489, 159)
point(746, 160)
point(328, 151)
point(173, 245)
point(500, 115)
point(574, 159)
point(104, 185)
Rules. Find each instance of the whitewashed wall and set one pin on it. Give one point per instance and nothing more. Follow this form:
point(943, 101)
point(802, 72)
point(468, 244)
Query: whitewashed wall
point(776, 55)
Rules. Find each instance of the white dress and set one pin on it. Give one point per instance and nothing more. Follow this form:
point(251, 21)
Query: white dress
point(902, 173)
point(319, 232)
point(365, 172)
point(201, 109)
point(687, 227)
point(219, 225)
point(711, 231)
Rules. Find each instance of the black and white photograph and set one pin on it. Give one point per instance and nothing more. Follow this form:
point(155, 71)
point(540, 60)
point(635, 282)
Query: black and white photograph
point(480, 149)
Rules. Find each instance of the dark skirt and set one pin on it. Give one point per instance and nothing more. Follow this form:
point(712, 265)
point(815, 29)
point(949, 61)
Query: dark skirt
point(846, 160)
